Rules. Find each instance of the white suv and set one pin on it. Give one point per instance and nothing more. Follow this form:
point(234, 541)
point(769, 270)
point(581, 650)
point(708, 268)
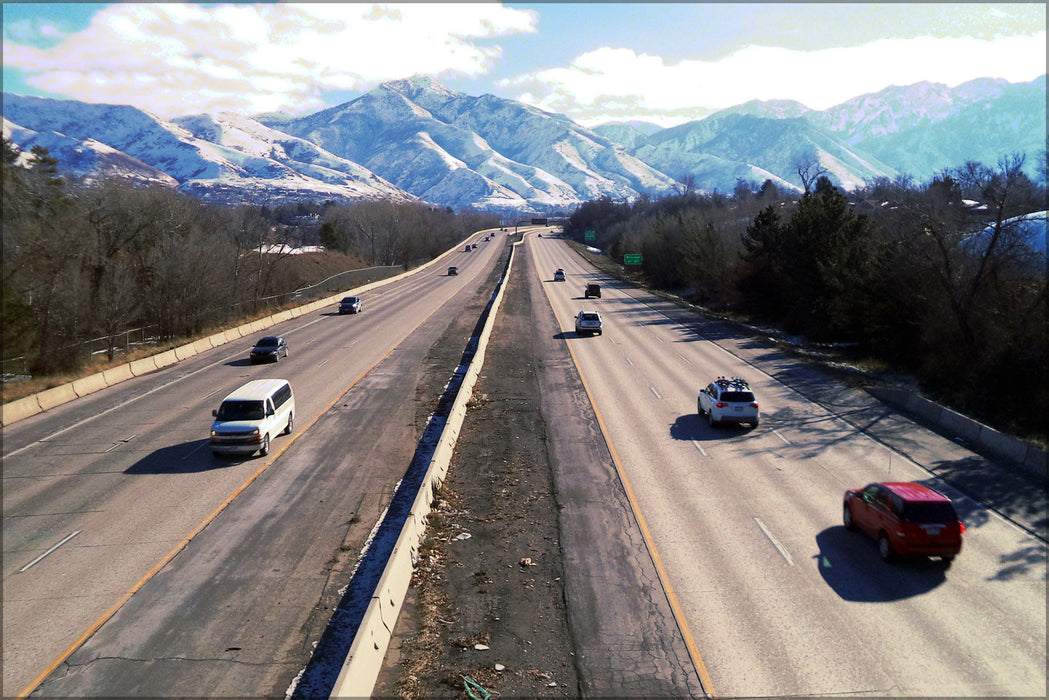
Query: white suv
point(728, 401)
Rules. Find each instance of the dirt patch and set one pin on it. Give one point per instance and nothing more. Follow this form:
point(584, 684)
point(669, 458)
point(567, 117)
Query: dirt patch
point(486, 610)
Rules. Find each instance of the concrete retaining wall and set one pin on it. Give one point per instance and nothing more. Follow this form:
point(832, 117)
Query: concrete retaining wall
point(364, 660)
point(1030, 458)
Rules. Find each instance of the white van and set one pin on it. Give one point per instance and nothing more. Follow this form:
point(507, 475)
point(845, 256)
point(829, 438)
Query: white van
point(252, 414)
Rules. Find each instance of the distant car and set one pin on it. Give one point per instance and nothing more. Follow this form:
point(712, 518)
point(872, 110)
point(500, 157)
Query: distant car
point(468, 248)
point(350, 305)
point(906, 519)
point(588, 322)
point(453, 271)
point(592, 290)
point(269, 349)
point(559, 275)
point(728, 401)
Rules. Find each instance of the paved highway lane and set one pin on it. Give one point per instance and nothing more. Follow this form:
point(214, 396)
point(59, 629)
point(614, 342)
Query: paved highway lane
point(780, 599)
point(100, 492)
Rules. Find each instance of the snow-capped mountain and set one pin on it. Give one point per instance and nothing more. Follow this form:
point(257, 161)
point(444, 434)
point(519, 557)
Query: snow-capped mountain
point(917, 130)
point(418, 140)
point(484, 152)
point(727, 147)
point(232, 160)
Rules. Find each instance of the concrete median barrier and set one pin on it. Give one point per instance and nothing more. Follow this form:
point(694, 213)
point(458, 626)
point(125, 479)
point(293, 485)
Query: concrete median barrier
point(56, 396)
point(143, 366)
point(165, 358)
point(184, 352)
point(88, 385)
point(19, 409)
point(117, 374)
point(202, 345)
point(364, 661)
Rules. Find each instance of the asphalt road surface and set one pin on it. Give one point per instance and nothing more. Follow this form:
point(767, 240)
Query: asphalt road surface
point(777, 597)
point(137, 563)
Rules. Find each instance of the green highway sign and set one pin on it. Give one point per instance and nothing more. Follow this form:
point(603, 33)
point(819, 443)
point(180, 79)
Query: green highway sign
point(632, 259)
point(589, 235)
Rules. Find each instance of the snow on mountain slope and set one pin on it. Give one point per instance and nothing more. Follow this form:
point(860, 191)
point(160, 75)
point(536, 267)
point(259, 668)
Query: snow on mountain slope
point(544, 160)
point(725, 147)
point(416, 138)
point(238, 167)
point(88, 159)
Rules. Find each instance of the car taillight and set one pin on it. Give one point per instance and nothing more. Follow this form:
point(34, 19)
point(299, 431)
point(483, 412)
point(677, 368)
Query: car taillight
point(961, 527)
point(754, 405)
point(721, 404)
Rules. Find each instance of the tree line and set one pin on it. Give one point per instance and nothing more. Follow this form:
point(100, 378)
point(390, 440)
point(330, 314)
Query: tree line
point(935, 279)
point(85, 259)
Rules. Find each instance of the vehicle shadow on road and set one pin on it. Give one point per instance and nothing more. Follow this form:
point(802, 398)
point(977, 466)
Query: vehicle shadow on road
point(849, 563)
point(692, 426)
point(184, 458)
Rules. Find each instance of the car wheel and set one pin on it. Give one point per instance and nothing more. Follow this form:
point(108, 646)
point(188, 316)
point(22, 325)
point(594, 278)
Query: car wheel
point(699, 407)
point(885, 548)
point(264, 448)
point(755, 423)
point(291, 424)
point(846, 517)
point(713, 423)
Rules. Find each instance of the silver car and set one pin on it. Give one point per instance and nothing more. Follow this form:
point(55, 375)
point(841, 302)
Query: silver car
point(588, 322)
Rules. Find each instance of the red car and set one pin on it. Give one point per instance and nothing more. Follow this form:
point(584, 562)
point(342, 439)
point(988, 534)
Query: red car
point(907, 519)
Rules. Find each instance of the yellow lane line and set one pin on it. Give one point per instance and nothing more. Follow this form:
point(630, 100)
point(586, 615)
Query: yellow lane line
point(657, 561)
point(186, 540)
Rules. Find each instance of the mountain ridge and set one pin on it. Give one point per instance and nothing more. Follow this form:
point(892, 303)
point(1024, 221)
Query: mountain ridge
point(418, 140)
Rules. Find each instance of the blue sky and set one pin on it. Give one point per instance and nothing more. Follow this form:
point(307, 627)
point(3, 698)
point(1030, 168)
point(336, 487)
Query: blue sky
point(595, 62)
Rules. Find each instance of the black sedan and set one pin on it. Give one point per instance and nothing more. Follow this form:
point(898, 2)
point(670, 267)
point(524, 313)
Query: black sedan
point(269, 349)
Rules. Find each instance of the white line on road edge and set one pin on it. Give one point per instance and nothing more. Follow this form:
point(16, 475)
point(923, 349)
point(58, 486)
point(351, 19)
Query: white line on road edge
point(701, 451)
point(774, 541)
point(41, 557)
point(776, 433)
point(655, 393)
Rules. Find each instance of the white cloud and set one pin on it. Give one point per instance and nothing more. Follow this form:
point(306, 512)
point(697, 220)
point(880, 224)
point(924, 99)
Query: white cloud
point(611, 83)
point(174, 59)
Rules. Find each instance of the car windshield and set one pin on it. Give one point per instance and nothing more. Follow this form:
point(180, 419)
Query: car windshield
point(241, 410)
point(590, 317)
point(928, 512)
point(267, 343)
point(738, 396)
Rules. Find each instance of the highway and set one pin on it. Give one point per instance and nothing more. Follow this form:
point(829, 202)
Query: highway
point(137, 563)
point(775, 596)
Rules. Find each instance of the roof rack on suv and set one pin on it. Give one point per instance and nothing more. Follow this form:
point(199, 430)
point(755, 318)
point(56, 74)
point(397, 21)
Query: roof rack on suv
point(737, 382)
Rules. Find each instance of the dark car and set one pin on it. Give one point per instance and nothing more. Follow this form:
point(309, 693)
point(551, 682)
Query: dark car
point(906, 519)
point(453, 270)
point(269, 349)
point(592, 290)
point(350, 305)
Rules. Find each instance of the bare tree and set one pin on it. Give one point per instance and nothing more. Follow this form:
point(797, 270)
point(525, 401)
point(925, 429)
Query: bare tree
point(807, 165)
